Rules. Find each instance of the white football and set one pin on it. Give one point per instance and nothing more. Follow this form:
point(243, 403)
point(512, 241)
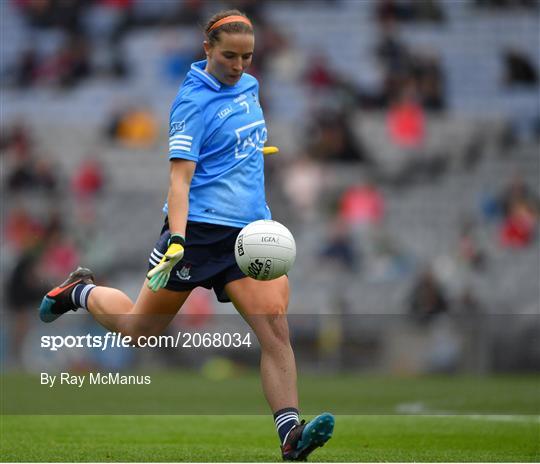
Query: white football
point(265, 250)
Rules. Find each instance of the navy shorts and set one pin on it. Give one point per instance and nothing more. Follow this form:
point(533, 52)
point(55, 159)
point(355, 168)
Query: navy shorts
point(208, 259)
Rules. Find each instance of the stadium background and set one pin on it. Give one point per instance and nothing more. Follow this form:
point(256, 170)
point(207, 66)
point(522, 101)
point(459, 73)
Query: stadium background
point(408, 173)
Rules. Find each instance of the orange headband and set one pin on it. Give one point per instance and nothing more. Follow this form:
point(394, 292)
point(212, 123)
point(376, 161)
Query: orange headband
point(230, 19)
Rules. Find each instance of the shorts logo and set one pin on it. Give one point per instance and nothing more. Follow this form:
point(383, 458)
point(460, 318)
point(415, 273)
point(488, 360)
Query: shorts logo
point(183, 274)
point(177, 127)
point(240, 247)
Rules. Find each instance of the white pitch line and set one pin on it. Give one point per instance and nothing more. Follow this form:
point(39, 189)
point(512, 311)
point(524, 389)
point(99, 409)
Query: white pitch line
point(419, 409)
point(500, 417)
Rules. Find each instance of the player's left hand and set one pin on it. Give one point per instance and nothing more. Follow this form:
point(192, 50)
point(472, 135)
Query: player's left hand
point(270, 150)
point(159, 275)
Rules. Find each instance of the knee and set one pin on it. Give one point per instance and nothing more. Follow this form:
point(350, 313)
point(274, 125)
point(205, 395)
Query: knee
point(273, 309)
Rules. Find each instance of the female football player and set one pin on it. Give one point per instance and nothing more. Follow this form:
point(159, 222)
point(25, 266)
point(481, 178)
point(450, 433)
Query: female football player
point(216, 137)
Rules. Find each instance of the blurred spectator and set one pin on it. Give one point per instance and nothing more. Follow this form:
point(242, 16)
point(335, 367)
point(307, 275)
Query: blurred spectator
point(26, 69)
point(24, 288)
point(46, 175)
point(88, 179)
point(65, 67)
point(362, 205)
point(518, 192)
point(287, 63)
point(519, 70)
point(319, 74)
point(507, 3)
point(22, 231)
point(94, 245)
point(302, 183)
point(331, 92)
point(409, 10)
point(332, 139)
point(426, 70)
point(32, 174)
point(64, 14)
point(427, 298)
point(407, 157)
point(59, 256)
point(71, 63)
point(87, 183)
point(406, 120)
point(391, 10)
point(269, 44)
point(389, 261)
point(405, 67)
point(16, 140)
point(45, 256)
point(25, 172)
point(189, 12)
point(393, 56)
point(490, 207)
point(106, 24)
point(428, 10)
point(135, 127)
point(390, 50)
point(469, 250)
point(519, 227)
point(21, 176)
point(339, 247)
point(108, 18)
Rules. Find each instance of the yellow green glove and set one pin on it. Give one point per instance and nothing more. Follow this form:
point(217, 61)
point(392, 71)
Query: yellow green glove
point(159, 275)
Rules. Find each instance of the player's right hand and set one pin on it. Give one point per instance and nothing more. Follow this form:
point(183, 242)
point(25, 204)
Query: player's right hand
point(159, 275)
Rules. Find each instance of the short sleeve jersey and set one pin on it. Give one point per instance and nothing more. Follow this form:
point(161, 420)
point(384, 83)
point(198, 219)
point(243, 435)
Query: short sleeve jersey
point(222, 129)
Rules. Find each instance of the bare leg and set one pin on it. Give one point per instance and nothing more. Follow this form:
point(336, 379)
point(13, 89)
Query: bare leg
point(149, 315)
point(264, 305)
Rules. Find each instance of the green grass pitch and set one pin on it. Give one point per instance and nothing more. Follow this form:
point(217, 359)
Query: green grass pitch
point(479, 419)
point(252, 438)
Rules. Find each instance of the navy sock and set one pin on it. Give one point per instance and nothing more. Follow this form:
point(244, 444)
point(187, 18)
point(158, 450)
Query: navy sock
point(285, 419)
point(80, 293)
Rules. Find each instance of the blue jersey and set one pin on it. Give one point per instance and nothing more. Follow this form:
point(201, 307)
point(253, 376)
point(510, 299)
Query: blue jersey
point(222, 129)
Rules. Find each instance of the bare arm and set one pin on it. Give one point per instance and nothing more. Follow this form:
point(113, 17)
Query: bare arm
point(181, 173)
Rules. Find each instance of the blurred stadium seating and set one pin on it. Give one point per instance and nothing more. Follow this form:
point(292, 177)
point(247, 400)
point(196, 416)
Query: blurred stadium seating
point(487, 131)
